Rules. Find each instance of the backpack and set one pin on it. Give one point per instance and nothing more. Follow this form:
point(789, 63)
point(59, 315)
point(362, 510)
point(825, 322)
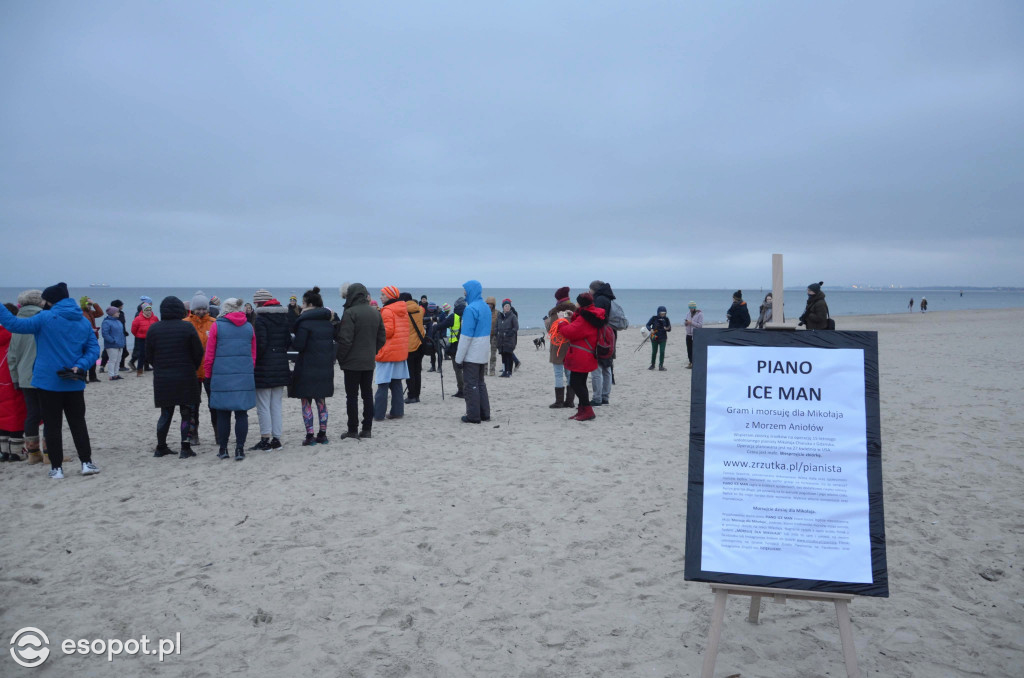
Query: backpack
point(605, 342)
point(617, 317)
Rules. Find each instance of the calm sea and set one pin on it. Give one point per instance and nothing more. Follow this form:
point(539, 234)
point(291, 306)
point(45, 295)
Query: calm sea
point(639, 305)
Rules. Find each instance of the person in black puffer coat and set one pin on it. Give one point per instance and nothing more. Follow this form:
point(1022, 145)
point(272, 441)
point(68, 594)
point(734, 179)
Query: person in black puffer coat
point(738, 315)
point(313, 378)
point(175, 351)
point(271, 371)
point(815, 316)
point(603, 376)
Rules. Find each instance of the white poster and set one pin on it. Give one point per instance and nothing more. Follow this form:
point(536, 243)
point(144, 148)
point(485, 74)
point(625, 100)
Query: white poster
point(785, 464)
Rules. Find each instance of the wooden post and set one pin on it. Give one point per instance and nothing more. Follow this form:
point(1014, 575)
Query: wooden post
point(717, 619)
point(778, 315)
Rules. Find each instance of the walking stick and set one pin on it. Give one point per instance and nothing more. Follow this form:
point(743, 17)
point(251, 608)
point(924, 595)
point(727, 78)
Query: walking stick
point(646, 339)
point(440, 370)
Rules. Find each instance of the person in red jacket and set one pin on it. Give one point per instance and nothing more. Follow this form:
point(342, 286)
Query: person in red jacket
point(581, 359)
point(140, 327)
point(13, 412)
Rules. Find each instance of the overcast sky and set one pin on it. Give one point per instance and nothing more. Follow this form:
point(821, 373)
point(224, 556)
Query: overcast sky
point(524, 144)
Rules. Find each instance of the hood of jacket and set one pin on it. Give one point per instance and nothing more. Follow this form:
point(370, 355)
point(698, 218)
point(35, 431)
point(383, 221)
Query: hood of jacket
point(172, 308)
point(67, 309)
point(604, 290)
point(460, 306)
point(474, 291)
point(28, 311)
point(820, 296)
point(271, 308)
point(662, 309)
point(320, 313)
point(593, 315)
point(356, 295)
point(236, 317)
point(413, 308)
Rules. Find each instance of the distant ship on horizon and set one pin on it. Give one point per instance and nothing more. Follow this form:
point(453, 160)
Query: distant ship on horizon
point(99, 284)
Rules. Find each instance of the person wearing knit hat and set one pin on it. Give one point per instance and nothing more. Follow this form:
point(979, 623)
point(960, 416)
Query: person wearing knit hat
point(66, 348)
point(199, 317)
point(604, 375)
point(417, 347)
point(140, 328)
point(228, 361)
point(119, 305)
point(738, 315)
point(272, 371)
point(582, 332)
point(429, 321)
point(143, 300)
point(815, 315)
point(373, 302)
point(293, 311)
point(559, 346)
point(392, 359)
point(694, 321)
point(92, 312)
point(21, 356)
point(261, 297)
point(12, 405)
point(113, 340)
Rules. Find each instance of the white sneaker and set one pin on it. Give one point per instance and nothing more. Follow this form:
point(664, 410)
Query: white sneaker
point(57, 474)
point(89, 468)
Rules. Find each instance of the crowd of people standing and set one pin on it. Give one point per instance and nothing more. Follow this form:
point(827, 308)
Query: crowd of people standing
point(251, 355)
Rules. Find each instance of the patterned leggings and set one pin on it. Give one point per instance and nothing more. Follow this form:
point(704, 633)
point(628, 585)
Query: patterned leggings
point(307, 414)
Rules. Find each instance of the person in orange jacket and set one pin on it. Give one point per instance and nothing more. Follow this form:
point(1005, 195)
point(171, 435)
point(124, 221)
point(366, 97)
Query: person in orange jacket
point(140, 327)
point(199, 316)
point(392, 365)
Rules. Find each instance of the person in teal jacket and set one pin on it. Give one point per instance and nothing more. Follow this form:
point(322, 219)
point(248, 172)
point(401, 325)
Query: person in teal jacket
point(66, 348)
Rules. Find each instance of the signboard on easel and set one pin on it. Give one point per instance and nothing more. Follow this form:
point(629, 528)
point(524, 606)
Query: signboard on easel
point(785, 475)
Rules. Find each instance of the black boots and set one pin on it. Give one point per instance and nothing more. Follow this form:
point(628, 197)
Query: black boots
point(559, 398)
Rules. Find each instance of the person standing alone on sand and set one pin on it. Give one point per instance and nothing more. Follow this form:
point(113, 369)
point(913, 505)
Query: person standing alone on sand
point(507, 336)
point(694, 321)
point(174, 350)
point(230, 357)
point(910, 307)
point(65, 349)
point(924, 305)
point(660, 326)
point(474, 352)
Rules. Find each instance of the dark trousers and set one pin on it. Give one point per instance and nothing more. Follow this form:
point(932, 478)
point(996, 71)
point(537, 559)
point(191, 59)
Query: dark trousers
point(163, 425)
point(70, 405)
point(194, 415)
point(689, 348)
point(478, 405)
point(433, 359)
point(578, 383)
point(356, 382)
point(458, 375)
point(139, 353)
point(415, 380)
point(224, 428)
point(506, 361)
point(34, 412)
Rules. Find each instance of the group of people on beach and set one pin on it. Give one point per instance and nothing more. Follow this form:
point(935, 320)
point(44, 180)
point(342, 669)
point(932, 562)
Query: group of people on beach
point(246, 356)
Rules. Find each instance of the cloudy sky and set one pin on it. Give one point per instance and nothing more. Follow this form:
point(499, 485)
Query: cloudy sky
point(651, 144)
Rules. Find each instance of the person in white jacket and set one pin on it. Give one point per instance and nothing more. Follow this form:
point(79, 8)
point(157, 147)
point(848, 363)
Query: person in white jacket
point(694, 320)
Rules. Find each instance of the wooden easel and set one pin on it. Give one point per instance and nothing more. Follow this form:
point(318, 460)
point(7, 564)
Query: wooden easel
point(722, 592)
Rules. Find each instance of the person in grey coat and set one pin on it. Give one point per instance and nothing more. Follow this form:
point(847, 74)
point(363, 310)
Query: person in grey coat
point(360, 337)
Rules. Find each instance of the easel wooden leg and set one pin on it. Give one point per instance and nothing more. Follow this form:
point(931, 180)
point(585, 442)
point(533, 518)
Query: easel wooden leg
point(846, 636)
point(755, 609)
point(717, 618)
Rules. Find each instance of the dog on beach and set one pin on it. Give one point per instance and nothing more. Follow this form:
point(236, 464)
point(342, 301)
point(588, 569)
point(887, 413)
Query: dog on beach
point(539, 342)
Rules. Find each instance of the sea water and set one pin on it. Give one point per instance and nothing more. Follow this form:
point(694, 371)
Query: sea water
point(532, 304)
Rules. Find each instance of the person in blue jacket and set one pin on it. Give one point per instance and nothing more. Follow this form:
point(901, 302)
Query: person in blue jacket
point(113, 340)
point(660, 326)
point(474, 352)
point(66, 348)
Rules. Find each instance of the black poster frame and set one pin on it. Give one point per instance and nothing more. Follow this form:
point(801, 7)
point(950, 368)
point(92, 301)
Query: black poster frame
point(866, 341)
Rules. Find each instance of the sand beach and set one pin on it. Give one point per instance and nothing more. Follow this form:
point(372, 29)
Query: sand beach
point(532, 547)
